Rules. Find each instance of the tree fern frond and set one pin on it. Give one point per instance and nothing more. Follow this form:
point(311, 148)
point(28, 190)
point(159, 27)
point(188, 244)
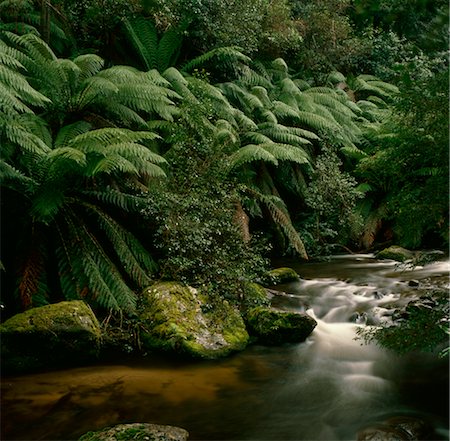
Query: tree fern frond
point(250, 78)
point(280, 216)
point(47, 202)
point(284, 111)
point(94, 89)
point(10, 177)
point(116, 198)
point(103, 137)
point(251, 153)
point(226, 133)
point(70, 131)
point(105, 284)
point(34, 45)
point(222, 56)
point(286, 135)
point(135, 261)
point(280, 65)
point(302, 84)
point(317, 122)
point(268, 116)
point(143, 36)
point(89, 65)
point(110, 164)
point(243, 120)
point(68, 153)
point(286, 152)
point(16, 132)
point(255, 138)
point(20, 88)
point(262, 94)
point(169, 46)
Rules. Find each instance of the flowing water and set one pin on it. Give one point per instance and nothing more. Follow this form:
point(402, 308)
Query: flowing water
point(327, 388)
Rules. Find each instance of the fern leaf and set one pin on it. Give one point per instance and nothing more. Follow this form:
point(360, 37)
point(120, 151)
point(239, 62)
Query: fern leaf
point(143, 36)
point(222, 56)
point(135, 261)
point(286, 152)
point(70, 131)
point(251, 153)
point(89, 65)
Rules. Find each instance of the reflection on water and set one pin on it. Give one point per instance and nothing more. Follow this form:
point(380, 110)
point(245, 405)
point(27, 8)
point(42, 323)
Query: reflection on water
point(326, 388)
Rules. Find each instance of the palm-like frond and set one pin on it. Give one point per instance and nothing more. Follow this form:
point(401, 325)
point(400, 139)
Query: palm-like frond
point(224, 57)
point(280, 216)
point(86, 269)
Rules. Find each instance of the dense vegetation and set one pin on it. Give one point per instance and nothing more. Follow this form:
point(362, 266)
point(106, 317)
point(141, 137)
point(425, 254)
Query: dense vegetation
point(189, 140)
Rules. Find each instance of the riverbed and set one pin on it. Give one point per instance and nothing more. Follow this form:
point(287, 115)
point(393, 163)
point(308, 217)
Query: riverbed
point(327, 388)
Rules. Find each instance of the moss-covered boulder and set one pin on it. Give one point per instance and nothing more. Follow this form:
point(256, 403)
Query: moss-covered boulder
point(273, 327)
point(181, 319)
point(280, 275)
point(395, 253)
point(137, 432)
point(254, 295)
point(55, 335)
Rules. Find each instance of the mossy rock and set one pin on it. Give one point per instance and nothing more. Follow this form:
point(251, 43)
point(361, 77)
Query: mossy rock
point(272, 327)
point(55, 335)
point(395, 253)
point(278, 276)
point(181, 319)
point(254, 295)
point(137, 432)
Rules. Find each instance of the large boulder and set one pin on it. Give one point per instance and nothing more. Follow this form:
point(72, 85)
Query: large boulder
point(395, 253)
point(56, 335)
point(178, 318)
point(273, 327)
point(137, 432)
point(278, 276)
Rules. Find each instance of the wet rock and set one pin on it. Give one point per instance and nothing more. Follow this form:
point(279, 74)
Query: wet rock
point(272, 327)
point(413, 283)
point(56, 335)
point(278, 276)
point(401, 428)
point(137, 432)
point(181, 319)
point(395, 253)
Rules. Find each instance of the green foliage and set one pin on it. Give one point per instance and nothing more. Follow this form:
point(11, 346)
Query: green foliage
point(331, 196)
point(423, 326)
point(51, 173)
point(408, 169)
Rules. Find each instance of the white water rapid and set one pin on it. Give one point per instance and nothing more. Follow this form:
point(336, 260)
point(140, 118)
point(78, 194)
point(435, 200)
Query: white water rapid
point(340, 385)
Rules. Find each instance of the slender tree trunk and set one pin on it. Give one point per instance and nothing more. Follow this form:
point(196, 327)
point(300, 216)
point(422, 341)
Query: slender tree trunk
point(45, 20)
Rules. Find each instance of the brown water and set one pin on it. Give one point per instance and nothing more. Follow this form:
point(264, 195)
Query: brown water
point(326, 388)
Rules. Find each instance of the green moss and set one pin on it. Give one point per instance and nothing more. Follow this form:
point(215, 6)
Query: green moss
point(395, 253)
point(48, 336)
point(181, 319)
point(254, 295)
point(137, 432)
point(273, 327)
point(280, 275)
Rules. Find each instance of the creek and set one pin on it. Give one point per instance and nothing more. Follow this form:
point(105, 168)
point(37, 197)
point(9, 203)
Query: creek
point(326, 388)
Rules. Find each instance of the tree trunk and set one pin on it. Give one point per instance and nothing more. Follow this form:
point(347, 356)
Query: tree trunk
point(45, 20)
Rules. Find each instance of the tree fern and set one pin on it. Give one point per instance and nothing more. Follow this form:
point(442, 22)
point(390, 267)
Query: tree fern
point(281, 218)
point(224, 57)
point(144, 39)
point(104, 283)
point(134, 259)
